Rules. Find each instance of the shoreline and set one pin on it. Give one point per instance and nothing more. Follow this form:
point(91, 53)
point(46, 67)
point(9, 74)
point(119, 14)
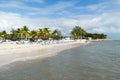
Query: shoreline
point(10, 53)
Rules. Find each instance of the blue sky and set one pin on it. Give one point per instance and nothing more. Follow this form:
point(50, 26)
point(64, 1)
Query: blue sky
point(96, 16)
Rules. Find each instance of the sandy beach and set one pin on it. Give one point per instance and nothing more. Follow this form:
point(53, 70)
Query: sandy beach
point(13, 52)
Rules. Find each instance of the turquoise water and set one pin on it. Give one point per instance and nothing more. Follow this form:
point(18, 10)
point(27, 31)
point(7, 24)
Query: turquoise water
point(96, 61)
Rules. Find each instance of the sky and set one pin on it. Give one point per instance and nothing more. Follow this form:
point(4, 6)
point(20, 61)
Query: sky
point(95, 16)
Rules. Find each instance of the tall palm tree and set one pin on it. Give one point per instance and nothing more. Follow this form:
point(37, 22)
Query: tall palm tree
point(24, 32)
point(40, 33)
point(46, 32)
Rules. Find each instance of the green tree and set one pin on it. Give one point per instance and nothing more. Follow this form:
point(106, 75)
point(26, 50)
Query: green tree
point(46, 33)
point(56, 34)
point(24, 32)
point(40, 33)
point(96, 36)
point(3, 34)
point(19, 33)
point(33, 34)
point(13, 34)
point(78, 32)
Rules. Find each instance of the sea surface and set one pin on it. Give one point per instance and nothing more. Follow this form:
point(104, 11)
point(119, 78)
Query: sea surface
point(95, 61)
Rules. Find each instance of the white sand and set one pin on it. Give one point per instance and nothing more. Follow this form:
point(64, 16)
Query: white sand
point(13, 52)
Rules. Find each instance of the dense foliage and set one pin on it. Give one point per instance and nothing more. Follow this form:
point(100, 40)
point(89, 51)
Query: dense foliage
point(45, 34)
point(96, 36)
point(56, 34)
point(25, 33)
point(77, 33)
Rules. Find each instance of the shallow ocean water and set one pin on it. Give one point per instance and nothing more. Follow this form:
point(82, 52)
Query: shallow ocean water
point(96, 61)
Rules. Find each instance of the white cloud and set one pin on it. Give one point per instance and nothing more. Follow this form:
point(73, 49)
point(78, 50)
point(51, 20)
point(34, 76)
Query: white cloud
point(93, 6)
point(104, 20)
point(102, 7)
point(104, 23)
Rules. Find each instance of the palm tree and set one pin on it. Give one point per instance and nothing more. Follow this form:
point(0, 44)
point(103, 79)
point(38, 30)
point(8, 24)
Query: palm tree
point(40, 33)
point(24, 32)
point(13, 34)
point(33, 34)
point(3, 34)
point(46, 33)
point(18, 33)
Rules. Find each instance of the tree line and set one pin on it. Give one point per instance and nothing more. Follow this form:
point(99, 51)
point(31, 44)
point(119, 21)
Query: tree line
point(79, 33)
point(46, 34)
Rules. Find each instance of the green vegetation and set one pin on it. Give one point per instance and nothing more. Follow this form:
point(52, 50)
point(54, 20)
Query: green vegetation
point(56, 34)
point(25, 33)
point(46, 34)
point(78, 33)
point(96, 36)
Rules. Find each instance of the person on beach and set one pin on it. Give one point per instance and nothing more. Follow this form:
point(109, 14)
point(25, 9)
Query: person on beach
point(17, 42)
